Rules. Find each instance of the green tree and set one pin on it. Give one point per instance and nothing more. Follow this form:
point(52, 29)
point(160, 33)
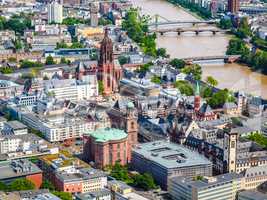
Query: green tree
point(18, 44)
point(177, 63)
point(225, 23)
point(49, 60)
point(144, 181)
point(161, 52)
point(100, 87)
point(3, 186)
point(211, 81)
point(207, 92)
point(243, 30)
point(137, 30)
point(219, 98)
point(6, 70)
point(103, 21)
point(120, 172)
point(76, 45)
point(63, 60)
point(63, 195)
point(194, 70)
point(47, 185)
point(144, 68)
point(184, 87)
point(156, 79)
point(21, 184)
point(123, 60)
point(62, 45)
point(30, 64)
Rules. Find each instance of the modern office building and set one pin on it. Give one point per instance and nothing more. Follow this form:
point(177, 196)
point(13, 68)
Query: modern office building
point(55, 12)
point(219, 187)
point(165, 160)
point(105, 146)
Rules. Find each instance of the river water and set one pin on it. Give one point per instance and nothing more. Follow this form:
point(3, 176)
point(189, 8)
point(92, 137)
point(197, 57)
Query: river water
point(232, 76)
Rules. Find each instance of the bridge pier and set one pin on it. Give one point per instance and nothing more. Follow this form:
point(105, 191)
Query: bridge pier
point(161, 33)
point(178, 33)
point(214, 32)
point(197, 32)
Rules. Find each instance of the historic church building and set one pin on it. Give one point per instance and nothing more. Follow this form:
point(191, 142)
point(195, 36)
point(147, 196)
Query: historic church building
point(107, 73)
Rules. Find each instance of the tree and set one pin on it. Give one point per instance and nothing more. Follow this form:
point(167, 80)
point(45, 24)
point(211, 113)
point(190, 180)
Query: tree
point(137, 29)
point(219, 98)
point(3, 186)
point(103, 22)
point(123, 60)
point(211, 81)
point(177, 63)
point(63, 60)
point(156, 79)
point(63, 195)
point(243, 30)
point(184, 87)
point(47, 185)
point(49, 60)
point(161, 52)
point(144, 181)
point(62, 45)
point(225, 23)
point(120, 172)
point(194, 70)
point(100, 87)
point(207, 92)
point(21, 184)
point(18, 44)
point(76, 45)
point(30, 64)
point(6, 70)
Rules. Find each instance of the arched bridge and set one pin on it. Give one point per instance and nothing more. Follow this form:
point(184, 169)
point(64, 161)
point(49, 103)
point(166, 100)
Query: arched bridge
point(155, 21)
point(182, 30)
point(226, 58)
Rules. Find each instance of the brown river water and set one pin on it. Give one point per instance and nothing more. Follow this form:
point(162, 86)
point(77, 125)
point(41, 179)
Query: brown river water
point(232, 76)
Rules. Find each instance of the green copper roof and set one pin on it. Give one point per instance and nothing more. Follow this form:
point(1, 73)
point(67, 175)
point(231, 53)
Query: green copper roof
point(130, 104)
point(107, 134)
point(197, 89)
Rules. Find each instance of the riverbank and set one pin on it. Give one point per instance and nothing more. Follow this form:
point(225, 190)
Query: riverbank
point(194, 9)
point(234, 76)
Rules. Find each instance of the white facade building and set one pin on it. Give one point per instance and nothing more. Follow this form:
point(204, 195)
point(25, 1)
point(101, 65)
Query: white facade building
point(71, 89)
point(55, 12)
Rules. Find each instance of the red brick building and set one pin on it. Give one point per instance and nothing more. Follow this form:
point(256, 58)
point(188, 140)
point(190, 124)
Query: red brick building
point(108, 74)
point(106, 147)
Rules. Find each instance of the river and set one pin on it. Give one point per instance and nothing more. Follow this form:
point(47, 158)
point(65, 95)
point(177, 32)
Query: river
point(231, 76)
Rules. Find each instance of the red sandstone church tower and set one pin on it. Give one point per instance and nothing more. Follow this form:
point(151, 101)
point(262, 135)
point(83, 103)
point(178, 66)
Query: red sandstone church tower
point(197, 100)
point(107, 73)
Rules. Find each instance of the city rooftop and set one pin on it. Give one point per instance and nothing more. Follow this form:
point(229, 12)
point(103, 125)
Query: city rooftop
point(170, 155)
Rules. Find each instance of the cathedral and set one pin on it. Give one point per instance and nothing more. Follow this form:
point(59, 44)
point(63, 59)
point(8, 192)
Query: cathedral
point(107, 73)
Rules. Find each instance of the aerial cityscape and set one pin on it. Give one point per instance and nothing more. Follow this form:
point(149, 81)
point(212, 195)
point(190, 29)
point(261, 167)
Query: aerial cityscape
point(133, 99)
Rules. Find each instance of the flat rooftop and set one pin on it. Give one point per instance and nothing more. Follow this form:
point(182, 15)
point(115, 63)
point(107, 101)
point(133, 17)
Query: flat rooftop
point(207, 182)
point(170, 155)
point(16, 125)
point(17, 168)
point(81, 174)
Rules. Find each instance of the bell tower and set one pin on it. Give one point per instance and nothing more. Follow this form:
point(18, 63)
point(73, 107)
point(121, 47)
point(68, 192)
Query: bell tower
point(197, 98)
point(131, 124)
point(230, 149)
point(106, 70)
